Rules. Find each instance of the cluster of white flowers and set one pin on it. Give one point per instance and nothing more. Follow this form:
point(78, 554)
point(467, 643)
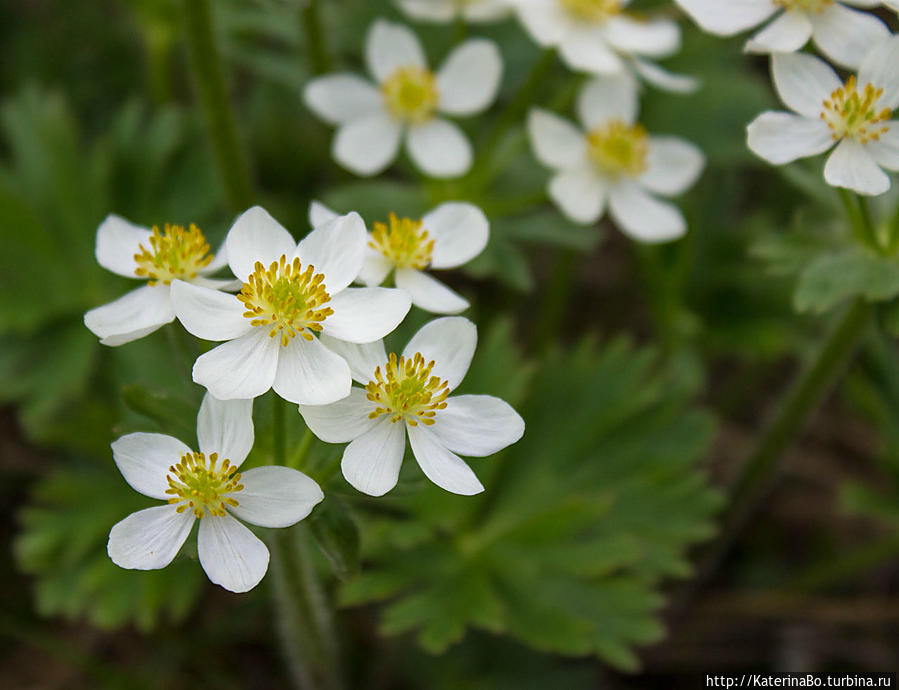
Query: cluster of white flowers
point(854, 115)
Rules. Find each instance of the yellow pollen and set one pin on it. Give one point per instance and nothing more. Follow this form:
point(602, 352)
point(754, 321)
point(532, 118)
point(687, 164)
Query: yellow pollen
point(592, 10)
point(816, 6)
point(853, 113)
point(287, 298)
point(617, 148)
point(411, 94)
point(173, 253)
point(196, 483)
point(403, 241)
point(405, 390)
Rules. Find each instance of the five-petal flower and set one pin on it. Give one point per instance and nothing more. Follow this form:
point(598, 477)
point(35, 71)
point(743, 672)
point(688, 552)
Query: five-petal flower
point(407, 102)
point(615, 163)
point(290, 293)
point(409, 394)
point(206, 486)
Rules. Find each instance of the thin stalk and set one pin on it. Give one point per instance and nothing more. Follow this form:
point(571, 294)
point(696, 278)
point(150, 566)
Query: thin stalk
point(553, 307)
point(279, 436)
point(296, 458)
point(859, 219)
point(210, 83)
point(316, 50)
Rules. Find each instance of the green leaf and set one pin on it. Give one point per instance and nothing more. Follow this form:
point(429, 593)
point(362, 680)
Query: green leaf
point(855, 272)
point(173, 415)
point(337, 536)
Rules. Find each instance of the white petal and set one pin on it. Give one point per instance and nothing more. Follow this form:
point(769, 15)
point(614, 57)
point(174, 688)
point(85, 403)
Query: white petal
point(440, 149)
point(343, 421)
point(803, 81)
point(586, 49)
point(580, 194)
point(486, 10)
point(477, 425)
point(275, 496)
point(674, 165)
point(658, 38)
point(607, 98)
point(219, 261)
point(846, 36)
point(319, 214)
point(144, 461)
point(879, 68)
point(232, 556)
point(886, 150)
point(241, 368)
point(209, 314)
point(469, 78)
point(852, 167)
point(786, 34)
point(557, 143)
point(446, 469)
point(225, 427)
point(545, 20)
point(429, 294)
point(363, 315)
point(367, 146)
point(729, 17)
point(390, 46)
point(256, 236)
point(375, 267)
point(132, 316)
point(460, 232)
point(437, 11)
point(363, 358)
point(643, 217)
point(117, 243)
point(662, 79)
point(450, 342)
point(341, 98)
point(149, 539)
point(371, 463)
point(310, 374)
point(781, 138)
point(335, 249)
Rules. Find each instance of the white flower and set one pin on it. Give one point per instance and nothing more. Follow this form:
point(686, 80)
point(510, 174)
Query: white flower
point(290, 292)
point(856, 116)
point(444, 11)
point(842, 34)
point(406, 103)
point(600, 37)
point(206, 486)
point(410, 395)
point(449, 236)
point(615, 163)
point(892, 4)
point(159, 257)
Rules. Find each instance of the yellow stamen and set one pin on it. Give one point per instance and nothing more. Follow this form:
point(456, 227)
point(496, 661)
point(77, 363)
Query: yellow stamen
point(286, 297)
point(853, 113)
point(196, 483)
point(592, 10)
point(404, 241)
point(411, 94)
point(617, 148)
point(173, 253)
point(407, 391)
point(816, 6)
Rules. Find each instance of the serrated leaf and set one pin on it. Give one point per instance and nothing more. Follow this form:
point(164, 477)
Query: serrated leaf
point(854, 272)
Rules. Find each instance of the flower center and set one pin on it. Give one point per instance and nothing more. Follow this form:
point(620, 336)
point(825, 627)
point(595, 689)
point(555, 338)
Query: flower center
point(197, 483)
point(410, 94)
point(853, 113)
point(805, 5)
point(592, 10)
point(173, 253)
point(406, 390)
point(617, 148)
point(285, 297)
point(403, 241)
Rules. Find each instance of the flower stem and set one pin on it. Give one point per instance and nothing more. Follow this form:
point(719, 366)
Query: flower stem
point(317, 51)
point(210, 83)
point(279, 437)
point(860, 219)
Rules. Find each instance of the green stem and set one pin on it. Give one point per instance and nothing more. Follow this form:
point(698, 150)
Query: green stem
point(210, 83)
point(299, 455)
point(551, 315)
point(316, 50)
point(279, 436)
point(859, 219)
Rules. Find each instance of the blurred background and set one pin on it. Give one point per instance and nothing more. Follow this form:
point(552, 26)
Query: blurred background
point(645, 374)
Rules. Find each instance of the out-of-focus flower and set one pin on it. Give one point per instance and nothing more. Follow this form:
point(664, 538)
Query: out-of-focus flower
point(290, 293)
point(407, 103)
point(444, 11)
point(892, 4)
point(601, 37)
point(206, 486)
point(615, 163)
point(449, 236)
point(159, 257)
point(856, 116)
point(842, 34)
point(410, 395)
